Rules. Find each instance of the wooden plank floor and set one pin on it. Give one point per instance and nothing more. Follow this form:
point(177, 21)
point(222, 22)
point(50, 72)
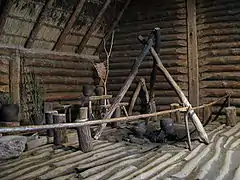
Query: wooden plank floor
point(218, 160)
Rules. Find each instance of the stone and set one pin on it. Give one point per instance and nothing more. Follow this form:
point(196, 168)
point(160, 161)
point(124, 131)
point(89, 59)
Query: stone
point(12, 146)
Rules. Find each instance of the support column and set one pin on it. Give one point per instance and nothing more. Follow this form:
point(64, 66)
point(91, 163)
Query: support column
point(192, 54)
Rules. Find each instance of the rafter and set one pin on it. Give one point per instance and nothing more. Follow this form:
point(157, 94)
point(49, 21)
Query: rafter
point(92, 27)
point(37, 26)
point(69, 25)
point(4, 12)
point(115, 23)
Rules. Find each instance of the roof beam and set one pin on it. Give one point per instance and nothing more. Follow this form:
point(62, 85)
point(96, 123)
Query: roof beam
point(115, 23)
point(3, 16)
point(92, 27)
point(69, 25)
point(37, 25)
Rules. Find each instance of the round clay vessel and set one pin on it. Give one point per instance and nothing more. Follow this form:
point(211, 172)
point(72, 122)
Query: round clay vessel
point(88, 90)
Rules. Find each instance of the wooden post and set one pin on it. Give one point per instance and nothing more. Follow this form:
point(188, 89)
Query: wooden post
point(84, 133)
point(175, 116)
point(187, 129)
point(38, 24)
point(14, 78)
point(116, 114)
point(231, 115)
point(49, 120)
point(192, 51)
point(59, 134)
point(92, 27)
point(207, 114)
point(69, 25)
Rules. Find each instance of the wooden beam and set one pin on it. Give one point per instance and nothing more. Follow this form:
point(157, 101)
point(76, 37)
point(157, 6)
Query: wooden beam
point(14, 78)
point(192, 51)
point(4, 12)
point(115, 23)
point(69, 25)
point(37, 25)
point(92, 27)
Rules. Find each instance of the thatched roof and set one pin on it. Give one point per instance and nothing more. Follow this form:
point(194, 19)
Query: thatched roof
point(62, 25)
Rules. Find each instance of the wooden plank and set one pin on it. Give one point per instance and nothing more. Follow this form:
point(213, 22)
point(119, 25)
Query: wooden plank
point(92, 27)
point(46, 54)
point(115, 23)
point(14, 78)
point(4, 12)
point(38, 24)
point(192, 50)
point(69, 25)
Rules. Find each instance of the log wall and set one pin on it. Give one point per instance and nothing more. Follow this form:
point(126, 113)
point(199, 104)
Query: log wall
point(141, 18)
point(219, 49)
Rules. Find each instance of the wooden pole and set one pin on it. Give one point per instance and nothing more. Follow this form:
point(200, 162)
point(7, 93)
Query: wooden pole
point(92, 27)
point(192, 53)
point(14, 78)
point(207, 114)
point(127, 84)
point(59, 134)
point(84, 133)
point(113, 25)
point(187, 129)
point(69, 25)
point(134, 98)
point(175, 116)
point(38, 24)
point(49, 120)
point(95, 122)
point(116, 114)
point(197, 123)
point(231, 116)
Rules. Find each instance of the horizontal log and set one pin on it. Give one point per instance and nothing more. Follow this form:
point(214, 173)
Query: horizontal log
point(233, 101)
point(219, 68)
point(221, 60)
point(58, 64)
point(147, 64)
point(4, 69)
point(220, 84)
point(218, 45)
point(145, 71)
point(4, 79)
point(226, 18)
point(158, 86)
point(221, 76)
point(64, 80)
point(219, 31)
point(216, 38)
point(4, 88)
point(45, 54)
point(48, 88)
point(45, 71)
point(214, 25)
point(62, 96)
point(211, 5)
point(134, 53)
point(235, 93)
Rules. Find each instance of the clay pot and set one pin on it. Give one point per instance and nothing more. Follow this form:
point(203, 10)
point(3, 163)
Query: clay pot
point(9, 113)
point(88, 90)
point(99, 90)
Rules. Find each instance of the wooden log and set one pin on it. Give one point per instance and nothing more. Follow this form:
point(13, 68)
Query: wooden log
point(69, 24)
point(84, 133)
point(187, 129)
point(134, 98)
point(126, 85)
point(207, 114)
point(175, 116)
point(116, 114)
point(37, 26)
point(14, 78)
point(59, 134)
point(6, 6)
point(92, 27)
point(231, 116)
point(49, 120)
point(197, 123)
